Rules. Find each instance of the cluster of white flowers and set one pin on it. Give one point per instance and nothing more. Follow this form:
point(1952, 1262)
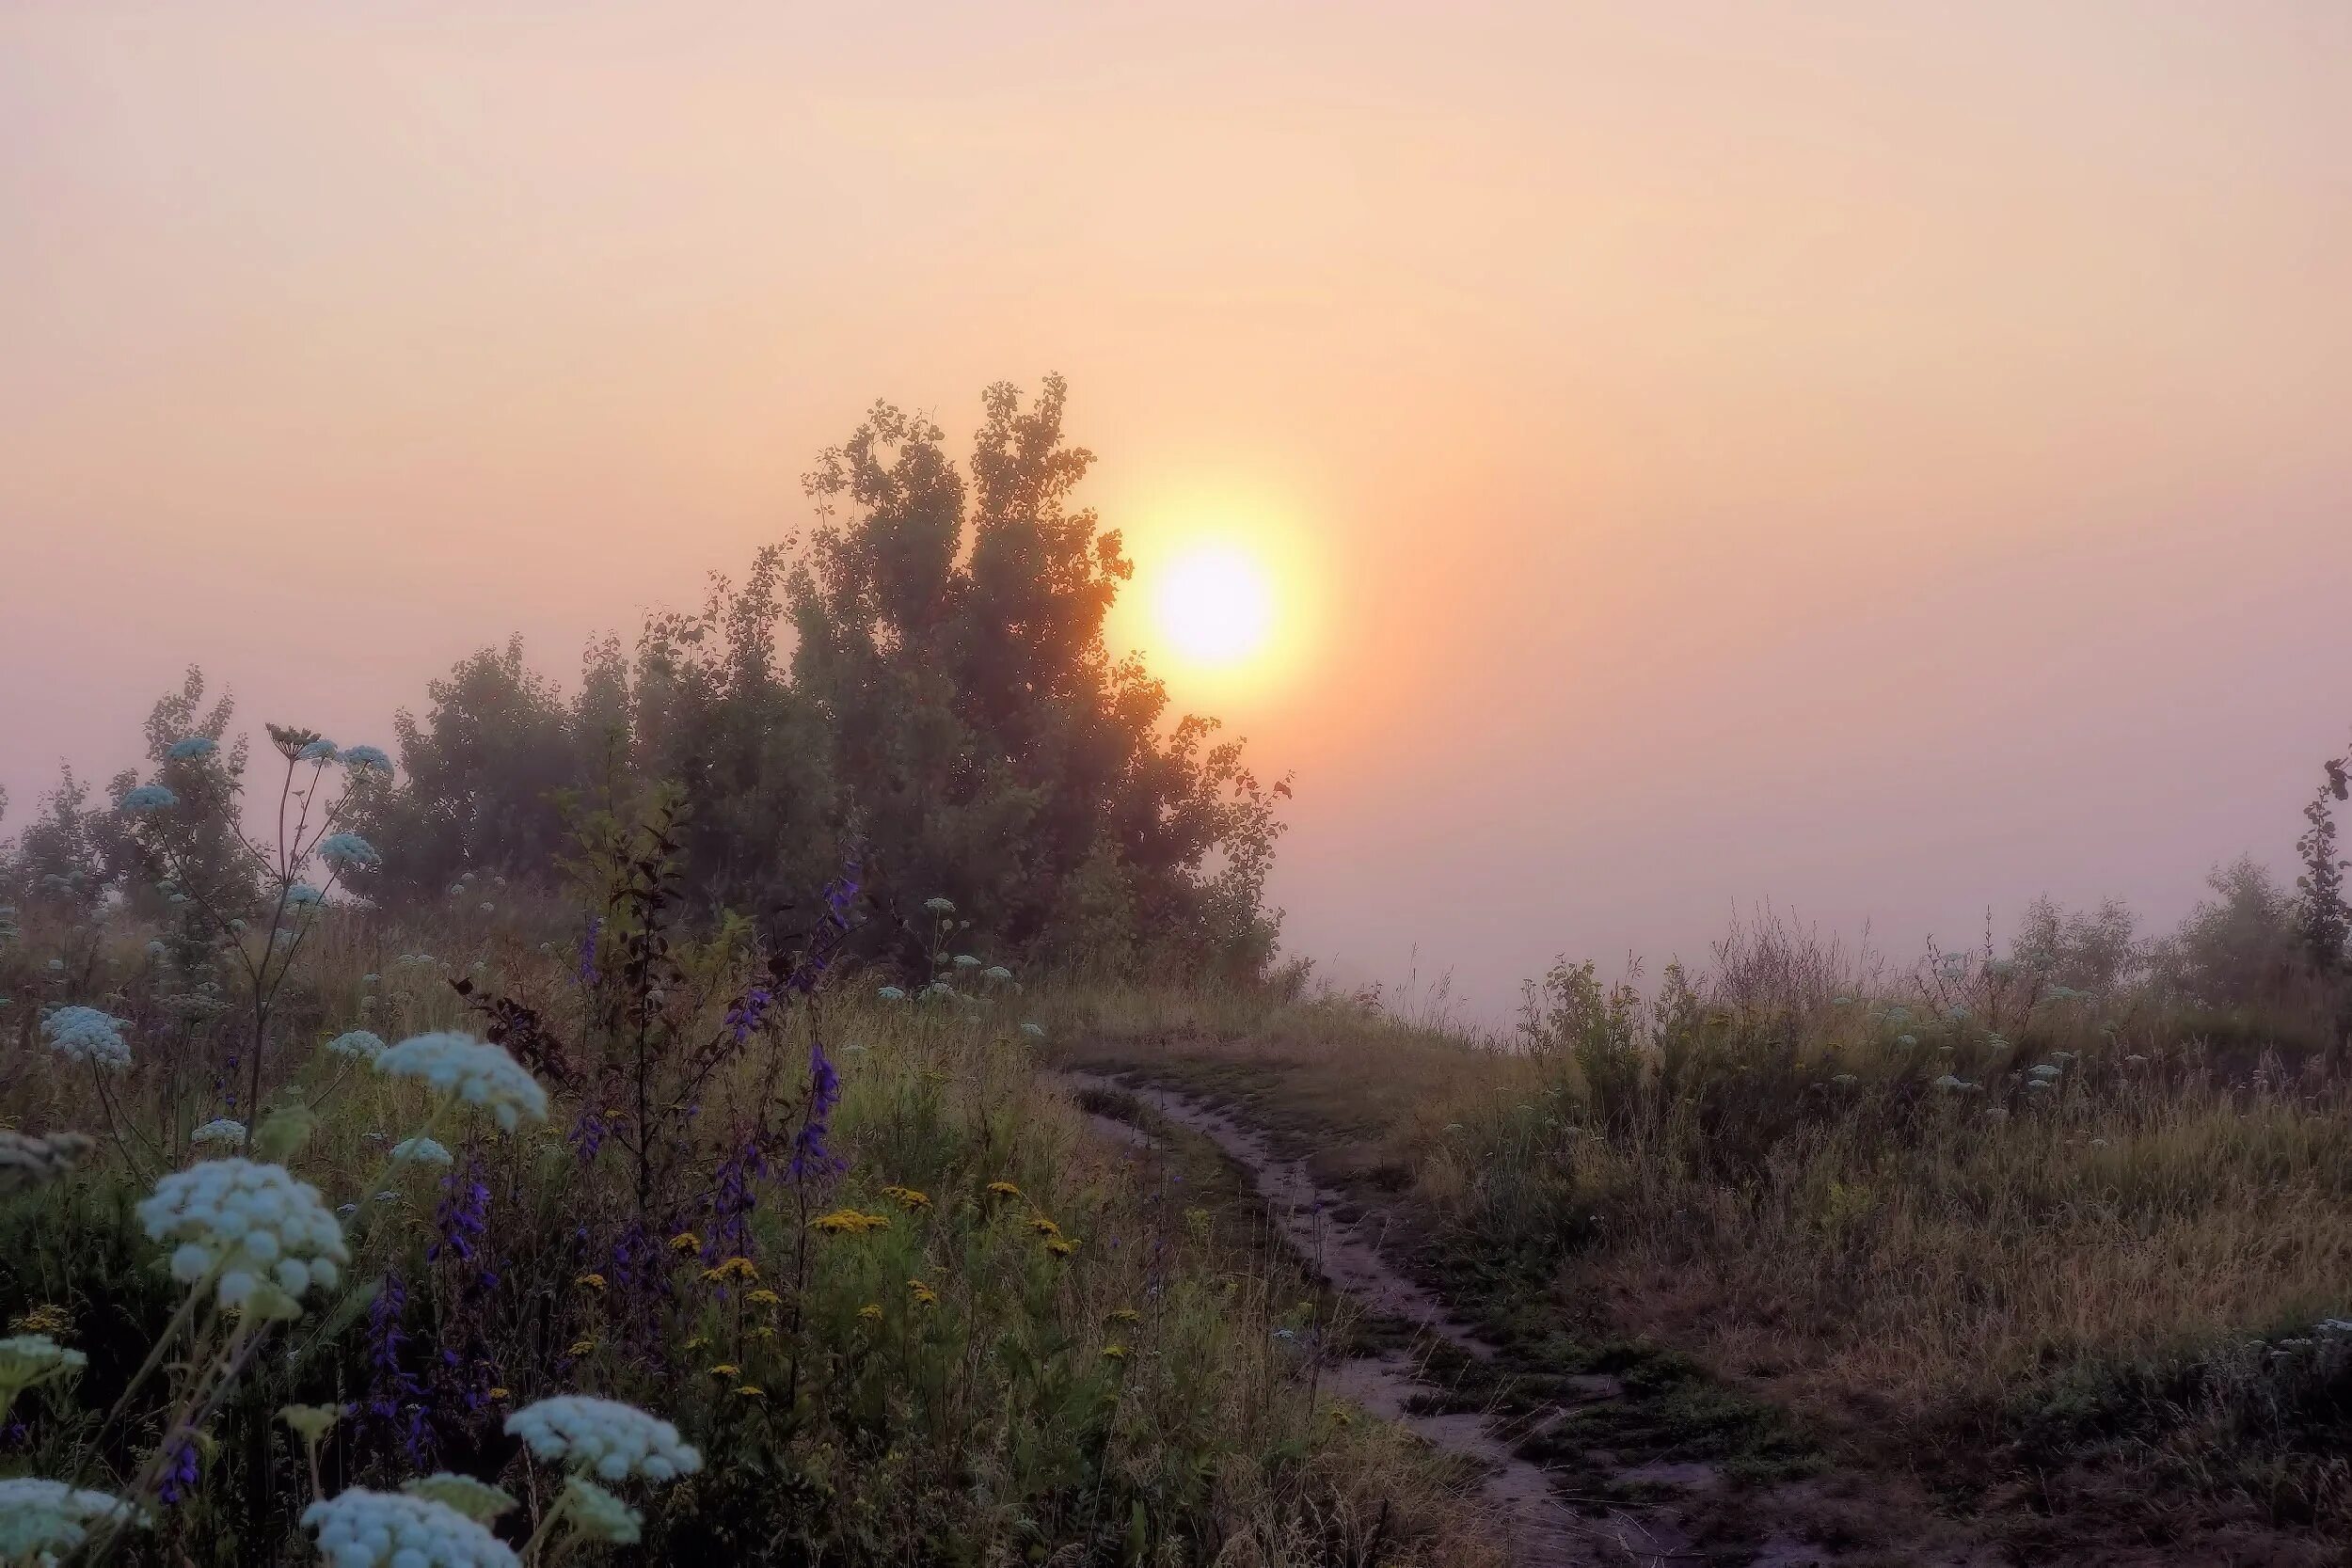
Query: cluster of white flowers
point(1035, 1031)
point(612, 1440)
point(321, 750)
point(476, 1499)
point(421, 1151)
point(599, 1515)
point(146, 798)
point(965, 961)
point(367, 756)
point(348, 852)
point(86, 1035)
point(939, 906)
point(29, 1359)
point(220, 1129)
point(474, 1070)
point(42, 1515)
point(997, 973)
point(249, 1221)
point(302, 895)
point(364, 1044)
point(892, 994)
point(194, 745)
point(359, 1528)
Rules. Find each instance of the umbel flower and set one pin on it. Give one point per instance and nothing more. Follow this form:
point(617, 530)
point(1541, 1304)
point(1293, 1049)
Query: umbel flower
point(193, 747)
point(368, 758)
point(364, 1044)
point(599, 1515)
point(86, 1035)
point(359, 1528)
point(26, 1160)
point(248, 1222)
point(474, 1070)
point(29, 1360)
point(145, 799)
point(604, 1438)
point(476, 1499)
point(421, 1151)
point(321, 750)
point(220, 1129)
point(38, 1514)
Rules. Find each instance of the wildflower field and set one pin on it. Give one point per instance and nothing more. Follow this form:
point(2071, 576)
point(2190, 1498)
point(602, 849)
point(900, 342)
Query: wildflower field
point(721, 1248)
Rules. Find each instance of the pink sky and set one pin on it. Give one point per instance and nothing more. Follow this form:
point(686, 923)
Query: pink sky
point(1886, 458)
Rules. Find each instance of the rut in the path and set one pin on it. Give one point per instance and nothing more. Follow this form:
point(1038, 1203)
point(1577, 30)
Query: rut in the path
point(1544, 1531)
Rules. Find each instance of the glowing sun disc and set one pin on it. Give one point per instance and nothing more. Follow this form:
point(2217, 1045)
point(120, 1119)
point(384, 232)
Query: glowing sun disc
point(1214, 606)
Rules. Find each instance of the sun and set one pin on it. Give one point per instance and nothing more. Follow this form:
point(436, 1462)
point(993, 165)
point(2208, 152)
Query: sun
point(1214, 605)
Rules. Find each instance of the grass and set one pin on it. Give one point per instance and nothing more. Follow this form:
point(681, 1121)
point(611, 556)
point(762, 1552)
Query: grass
point(1083, 1368)
point(2083, 1315)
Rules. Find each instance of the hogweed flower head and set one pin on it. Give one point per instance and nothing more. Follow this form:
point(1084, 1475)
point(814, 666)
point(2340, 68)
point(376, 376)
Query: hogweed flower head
point(604, 1438)
point(193, 747)
point(371, 758)
point(87, 1035)
point(476, 1072)
point(247, 1223)
point(220, 1129)
point(362, 1044)
point(48, 1517)
point(29, 1360)
point(477, 1501)
point(421, 1151)
point(359, 1528)
point(146, 798)
point(940, 906)
point(348, 852)
point(321, 750)
point(599, 1515)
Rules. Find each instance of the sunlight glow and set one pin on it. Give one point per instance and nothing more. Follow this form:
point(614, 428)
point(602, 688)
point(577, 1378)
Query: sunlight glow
point(1214, 606)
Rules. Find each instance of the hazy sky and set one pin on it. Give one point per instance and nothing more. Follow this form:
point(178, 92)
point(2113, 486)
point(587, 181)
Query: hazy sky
point(1890, 458)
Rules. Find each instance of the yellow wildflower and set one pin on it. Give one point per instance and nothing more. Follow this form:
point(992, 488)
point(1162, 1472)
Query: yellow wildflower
point(849, 1221)
point(499, 1394)
point(765, 1298)
point(1004, 1189)
point(752, 1391)
point(686, 1241)
point(1115, 1352)
point(870, 1312)
point(924, 1295)
point(726, 1369)
point(48, 1319)
point(1061, 1246)
point(734, 1268)
point(700, 1341)
point(594, 1281)
point(763, 1332)
point(1044, 1227)
point(1125, 1315)
point(908, 1197)
point(580, 1347)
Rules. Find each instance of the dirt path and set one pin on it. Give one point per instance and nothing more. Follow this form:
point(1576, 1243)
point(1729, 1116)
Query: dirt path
point(1549, 1526)
point(1548, 1530)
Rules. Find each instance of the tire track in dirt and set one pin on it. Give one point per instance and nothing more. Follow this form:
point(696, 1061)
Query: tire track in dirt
point(1544, 1531)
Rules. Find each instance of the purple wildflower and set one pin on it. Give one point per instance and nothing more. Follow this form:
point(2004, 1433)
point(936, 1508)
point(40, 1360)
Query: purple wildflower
point(395, 1396)
point(590, 976)
point(179, 1476)
point(463, 1217)
point(744, 1018)
point(734, 1195)
point(811, 1160)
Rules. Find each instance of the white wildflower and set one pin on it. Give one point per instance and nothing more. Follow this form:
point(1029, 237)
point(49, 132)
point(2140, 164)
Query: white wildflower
point(321, 750)
point(302, 895)
point(220, 1129)
point(892, 994)
point(421, 1151)
point(370, 757)
point(476, 1499)
point(599, 1515)
point(361, 1043)
point(194, 745)
point(604, 1438)
point(40, 1516)
point(86, 1035)
point(27, 1360)
point(359, 1528)
point(477, 1073)
point(1035, 1031)
point(252, 1223)
point(965, 961)
point(146, 798)
point(939, 906)
point(997, 973)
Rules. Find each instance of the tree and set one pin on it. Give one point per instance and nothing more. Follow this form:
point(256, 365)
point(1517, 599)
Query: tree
point(2322, 918)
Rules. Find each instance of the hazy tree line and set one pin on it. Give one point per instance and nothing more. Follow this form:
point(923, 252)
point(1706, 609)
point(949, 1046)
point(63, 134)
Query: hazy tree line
point(918, 691)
